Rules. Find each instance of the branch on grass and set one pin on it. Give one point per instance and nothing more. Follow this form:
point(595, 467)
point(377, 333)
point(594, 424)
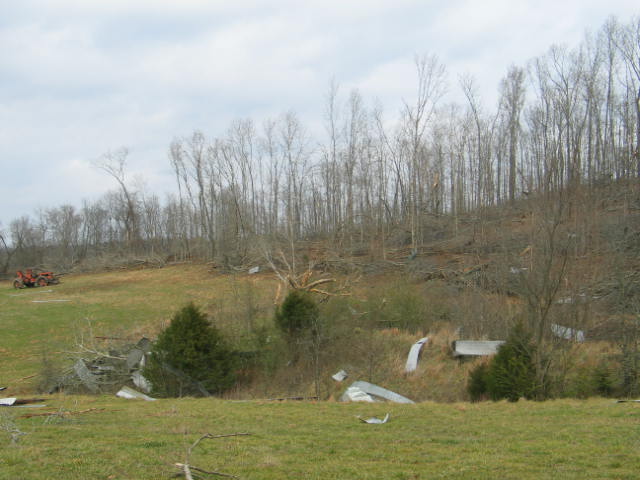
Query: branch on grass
point(62, 413)
point(187, 469)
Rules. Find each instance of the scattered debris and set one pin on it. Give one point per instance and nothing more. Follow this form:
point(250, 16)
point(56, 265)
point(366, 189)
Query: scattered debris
point(340, 376)
point(355, 393)
point(462, 348)
point(628, 401)
point(7, 402)
point(567, 333)
point(517, 270)
point(2, 388)
point(131, 394)
point(374, 420)
point(414, 353)
point(107, 372)
point(254, 270)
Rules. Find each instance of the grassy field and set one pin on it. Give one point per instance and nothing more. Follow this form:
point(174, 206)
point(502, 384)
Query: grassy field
point(104, 437)
point(125, 439)
point(125, 304)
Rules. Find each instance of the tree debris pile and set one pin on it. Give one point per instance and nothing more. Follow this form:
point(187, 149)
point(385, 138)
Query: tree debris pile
point(106, 372)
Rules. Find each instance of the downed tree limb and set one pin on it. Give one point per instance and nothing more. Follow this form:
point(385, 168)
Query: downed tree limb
point(187, 471)
point(284, 399)
point(62, 413)
point(23, 378)
point(187, 468)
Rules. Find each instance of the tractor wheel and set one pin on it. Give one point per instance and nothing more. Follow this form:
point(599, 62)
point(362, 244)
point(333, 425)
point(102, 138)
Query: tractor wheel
point(41, 282)
point(18, 284)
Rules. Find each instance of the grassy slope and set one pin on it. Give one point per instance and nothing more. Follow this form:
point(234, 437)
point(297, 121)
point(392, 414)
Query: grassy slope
point(130, 439)
point(126, 303)
point(136, 439)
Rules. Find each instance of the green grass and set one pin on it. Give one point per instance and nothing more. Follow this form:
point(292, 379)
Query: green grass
point(126, 304)
point(122, 439)
point(142, 440)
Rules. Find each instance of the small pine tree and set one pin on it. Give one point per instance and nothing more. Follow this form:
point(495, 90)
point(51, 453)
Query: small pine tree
point(477, 384)
point(511, 373)
point(297, 314)
point(190, 357)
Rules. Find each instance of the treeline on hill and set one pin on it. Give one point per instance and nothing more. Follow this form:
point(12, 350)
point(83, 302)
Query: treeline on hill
point(567, 118)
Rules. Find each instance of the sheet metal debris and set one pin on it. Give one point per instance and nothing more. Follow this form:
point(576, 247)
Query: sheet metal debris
point(141, 382)
point(254, 270)
point(414, 353)
point(340, 376)
point(107, 372)
point(131, 394)
point(355, 394)
point(13, 401)
point(462, 348)
point(374, 420)
point(371, 393)
point(567, 333)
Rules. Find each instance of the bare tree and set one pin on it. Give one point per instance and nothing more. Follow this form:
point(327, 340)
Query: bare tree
point(512, 100)
point(628, 43)
point(7, 253)
point(114, 163)
point(431, 87)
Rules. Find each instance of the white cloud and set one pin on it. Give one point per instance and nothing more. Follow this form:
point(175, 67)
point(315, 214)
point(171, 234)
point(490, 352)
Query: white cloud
point(80, 77)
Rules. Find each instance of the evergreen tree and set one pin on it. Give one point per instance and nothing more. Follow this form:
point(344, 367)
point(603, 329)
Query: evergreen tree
point(298, 313)
point(511, 373)
point(190, 357)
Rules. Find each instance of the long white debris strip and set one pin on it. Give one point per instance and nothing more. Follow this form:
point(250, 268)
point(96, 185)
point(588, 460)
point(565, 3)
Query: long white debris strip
point(368, 392)
point(414, 353)
point(463, 348)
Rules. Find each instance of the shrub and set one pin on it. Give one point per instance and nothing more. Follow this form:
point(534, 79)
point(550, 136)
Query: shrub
point(190, 357)
point(477, 384)
point(297, 314)
point(511, 373)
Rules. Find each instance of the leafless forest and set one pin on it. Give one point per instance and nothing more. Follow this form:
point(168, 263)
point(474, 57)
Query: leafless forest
point(565, 122)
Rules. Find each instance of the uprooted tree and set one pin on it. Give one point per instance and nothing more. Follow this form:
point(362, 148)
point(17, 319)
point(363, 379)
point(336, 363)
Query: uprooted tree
point(190, 357)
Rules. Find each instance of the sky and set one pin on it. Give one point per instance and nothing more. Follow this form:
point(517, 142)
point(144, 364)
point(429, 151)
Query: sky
point(79, 78)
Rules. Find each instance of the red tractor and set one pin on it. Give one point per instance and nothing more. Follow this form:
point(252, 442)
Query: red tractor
point(29, 278)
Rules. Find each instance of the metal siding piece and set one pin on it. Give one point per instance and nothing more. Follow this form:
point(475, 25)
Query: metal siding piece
point(141, 382)
point(134, 357)
point(414, 353)
point(475, 347)
point(340, 376)
point(130, 393)
point(374, 420)
point(567, 333)
point(376, 391)
point(354, 394)
point(85, 376)
point(7, 402)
